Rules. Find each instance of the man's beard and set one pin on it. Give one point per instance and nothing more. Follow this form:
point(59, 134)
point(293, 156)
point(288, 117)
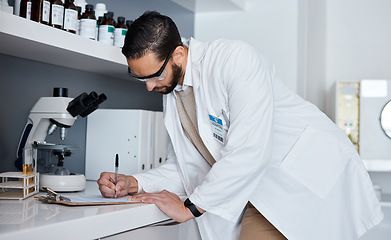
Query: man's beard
point(176, 76)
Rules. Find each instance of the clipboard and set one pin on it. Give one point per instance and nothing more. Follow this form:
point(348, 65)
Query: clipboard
point(81, 200)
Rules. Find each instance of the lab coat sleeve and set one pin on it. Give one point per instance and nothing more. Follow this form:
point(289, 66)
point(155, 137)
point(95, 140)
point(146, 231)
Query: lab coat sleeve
point(246, 81)
point(165, 177)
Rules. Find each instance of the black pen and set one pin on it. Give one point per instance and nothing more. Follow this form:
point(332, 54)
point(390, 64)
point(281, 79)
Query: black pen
point(116, 172)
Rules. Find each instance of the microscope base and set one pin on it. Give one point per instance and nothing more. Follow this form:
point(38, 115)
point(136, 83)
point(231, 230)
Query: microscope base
point(62, 183)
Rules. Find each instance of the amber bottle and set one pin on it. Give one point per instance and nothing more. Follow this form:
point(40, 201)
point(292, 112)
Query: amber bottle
point(70, 16)
point(120, 32)
point(56, 14)
point(40, 11)
point(88, 23)
point(25, 9)
point(44, 12)
point(106, 29)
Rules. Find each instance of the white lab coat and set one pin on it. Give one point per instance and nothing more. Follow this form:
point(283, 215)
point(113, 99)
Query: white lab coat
point(281, 153)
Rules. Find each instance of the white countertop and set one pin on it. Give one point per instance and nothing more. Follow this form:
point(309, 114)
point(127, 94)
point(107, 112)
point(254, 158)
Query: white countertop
point(32, 219)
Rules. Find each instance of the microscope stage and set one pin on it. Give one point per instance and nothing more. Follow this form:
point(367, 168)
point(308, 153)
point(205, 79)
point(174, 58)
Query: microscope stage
point(62, 183)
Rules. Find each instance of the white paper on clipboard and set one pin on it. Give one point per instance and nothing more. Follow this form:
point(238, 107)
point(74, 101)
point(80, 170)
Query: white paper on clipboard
point(95, 199)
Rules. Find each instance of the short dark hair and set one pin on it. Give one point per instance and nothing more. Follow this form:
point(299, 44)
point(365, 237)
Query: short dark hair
point(151, 32)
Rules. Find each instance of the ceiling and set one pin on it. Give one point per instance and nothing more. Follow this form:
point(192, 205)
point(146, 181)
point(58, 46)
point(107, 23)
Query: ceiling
point(212, 5)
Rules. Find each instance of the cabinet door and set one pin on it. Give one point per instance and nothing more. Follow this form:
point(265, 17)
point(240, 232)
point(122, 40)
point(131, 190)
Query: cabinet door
point(162, 231)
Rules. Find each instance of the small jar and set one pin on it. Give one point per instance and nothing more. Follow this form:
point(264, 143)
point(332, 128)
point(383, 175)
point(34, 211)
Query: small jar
point(28, 166)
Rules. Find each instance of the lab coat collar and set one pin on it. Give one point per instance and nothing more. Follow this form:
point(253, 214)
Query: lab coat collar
point(194, 58)
point(192, 75)
point(196, 50)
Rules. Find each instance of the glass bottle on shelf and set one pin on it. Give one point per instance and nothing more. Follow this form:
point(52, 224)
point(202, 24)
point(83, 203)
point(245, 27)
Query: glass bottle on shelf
point(36, 10)
point(25, 9)
point(40, 11)
point(70, 16)
point(120, 32)
point(57, 14)
point(111, 18)
point(45, 12)
point(100, 9)
point(106, 29)
point(88, 23)
point(128, 23)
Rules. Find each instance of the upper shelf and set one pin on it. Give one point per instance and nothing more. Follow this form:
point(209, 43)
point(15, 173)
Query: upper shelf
point(27, 39)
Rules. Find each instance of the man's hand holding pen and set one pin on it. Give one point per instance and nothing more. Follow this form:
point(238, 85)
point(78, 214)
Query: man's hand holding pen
point(118, 185)
point(124, 186)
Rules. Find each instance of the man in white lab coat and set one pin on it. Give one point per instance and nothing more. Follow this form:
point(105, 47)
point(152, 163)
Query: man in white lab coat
point(254, 159)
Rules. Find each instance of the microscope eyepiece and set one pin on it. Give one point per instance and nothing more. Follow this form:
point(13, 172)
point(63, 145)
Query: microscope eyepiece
point(94, 105)
point(90, 98)
point(85, 104)
point(101, 99)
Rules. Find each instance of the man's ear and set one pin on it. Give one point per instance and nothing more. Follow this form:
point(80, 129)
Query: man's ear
point(179, 55)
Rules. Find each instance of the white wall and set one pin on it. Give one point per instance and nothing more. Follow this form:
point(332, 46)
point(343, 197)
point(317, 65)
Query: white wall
point(270, 26)
point(358, 46)
point(312, 43)
point(314, 49)
point(358, 41)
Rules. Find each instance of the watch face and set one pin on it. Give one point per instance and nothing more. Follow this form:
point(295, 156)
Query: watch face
point(187, 203)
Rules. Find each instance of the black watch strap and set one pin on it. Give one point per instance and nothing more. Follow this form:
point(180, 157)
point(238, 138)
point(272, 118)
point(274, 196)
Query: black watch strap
point(192, 208)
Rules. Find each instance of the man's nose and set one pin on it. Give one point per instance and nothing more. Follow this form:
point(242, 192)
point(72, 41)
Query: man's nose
point(150, 85)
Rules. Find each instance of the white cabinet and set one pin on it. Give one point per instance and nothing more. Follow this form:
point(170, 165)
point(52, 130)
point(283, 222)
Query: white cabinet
point(138, 136)
point(27, 39)
point(162, 231)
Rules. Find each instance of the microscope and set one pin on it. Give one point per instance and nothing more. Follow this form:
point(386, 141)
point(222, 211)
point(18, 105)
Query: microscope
point(47, 115)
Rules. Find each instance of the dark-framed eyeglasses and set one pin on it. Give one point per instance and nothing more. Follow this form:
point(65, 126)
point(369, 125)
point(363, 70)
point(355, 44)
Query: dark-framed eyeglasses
point(158, 73)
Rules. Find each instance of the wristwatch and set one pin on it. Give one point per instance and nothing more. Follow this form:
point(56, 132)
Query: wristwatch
point(192, 208)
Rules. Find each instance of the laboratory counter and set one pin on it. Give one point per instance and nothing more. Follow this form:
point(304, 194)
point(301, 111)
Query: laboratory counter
point(32, 219)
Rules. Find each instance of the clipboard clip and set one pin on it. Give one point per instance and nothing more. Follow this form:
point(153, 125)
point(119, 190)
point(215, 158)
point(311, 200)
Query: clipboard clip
point(53, 197)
